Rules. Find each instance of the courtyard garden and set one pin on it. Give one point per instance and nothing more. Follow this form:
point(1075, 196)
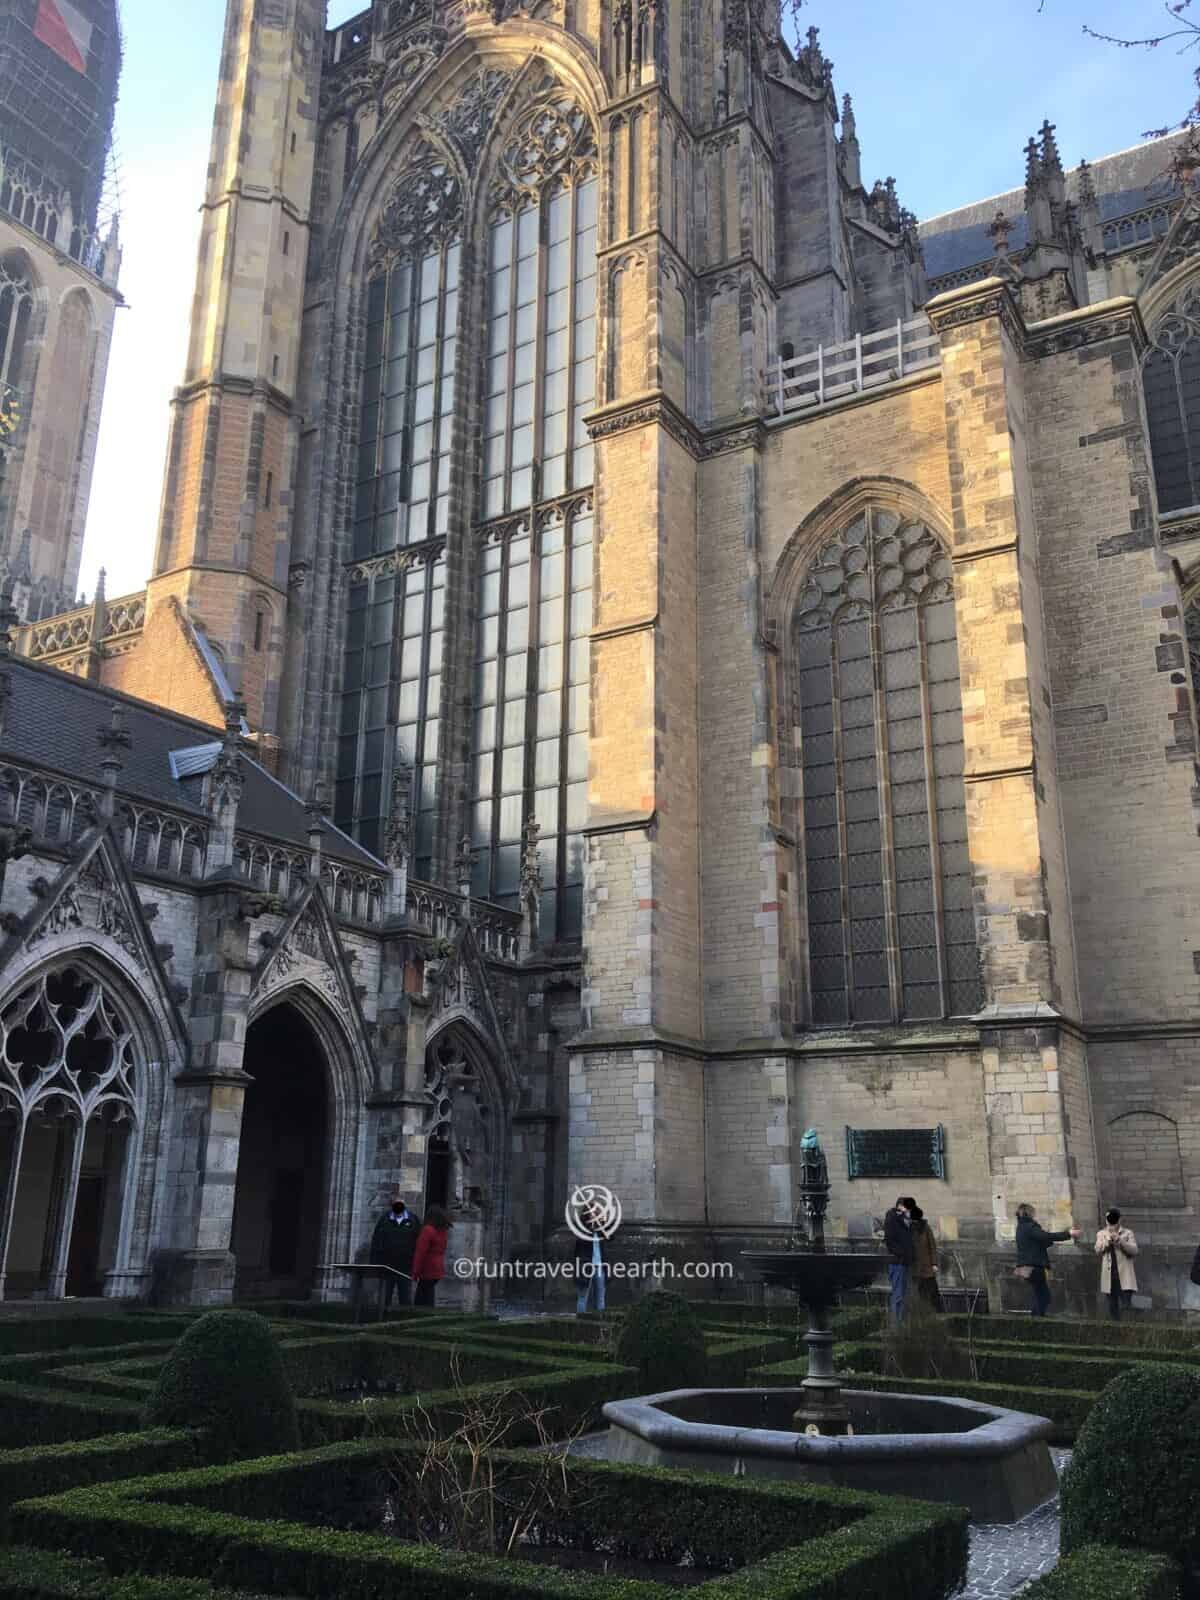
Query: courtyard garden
point(287, 1452)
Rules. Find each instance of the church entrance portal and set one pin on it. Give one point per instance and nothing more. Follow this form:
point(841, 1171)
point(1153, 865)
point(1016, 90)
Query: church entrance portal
point(280, 1201)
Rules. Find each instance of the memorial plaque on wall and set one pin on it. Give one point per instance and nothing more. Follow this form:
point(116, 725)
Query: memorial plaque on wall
point(896, 1152)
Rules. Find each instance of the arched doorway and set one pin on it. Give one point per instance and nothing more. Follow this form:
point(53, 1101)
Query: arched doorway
point(72, 1087)
point(280, 1199)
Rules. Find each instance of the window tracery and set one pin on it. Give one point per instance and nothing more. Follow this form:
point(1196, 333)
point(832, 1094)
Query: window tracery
point(891, 928)
point(1171, 376)
point(69, 1104)
point(16, 309)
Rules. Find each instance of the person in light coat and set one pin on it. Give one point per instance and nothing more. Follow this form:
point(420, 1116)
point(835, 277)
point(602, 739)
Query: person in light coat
point(1116, 1246)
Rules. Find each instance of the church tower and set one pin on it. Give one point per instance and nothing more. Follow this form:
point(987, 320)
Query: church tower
point(223, 543)
point(60, 259)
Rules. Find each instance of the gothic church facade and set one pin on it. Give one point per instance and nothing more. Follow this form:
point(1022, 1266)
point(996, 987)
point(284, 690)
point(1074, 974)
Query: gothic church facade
point(649, 649)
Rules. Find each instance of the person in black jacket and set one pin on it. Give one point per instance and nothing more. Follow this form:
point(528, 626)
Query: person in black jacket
point(392, 1245)
point(897, 1236)
point(1033, 1242)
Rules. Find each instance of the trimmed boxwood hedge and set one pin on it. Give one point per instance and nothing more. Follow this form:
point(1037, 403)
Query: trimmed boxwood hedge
point(1102, 1572)
point(45, 1575)
point(226, 1378)
point(48, 1469)
point(662, 1337)
point(219, 1523)
point(1134, 1479)
point(42, 1334)
point(31, 1414)
point(1151, 1339)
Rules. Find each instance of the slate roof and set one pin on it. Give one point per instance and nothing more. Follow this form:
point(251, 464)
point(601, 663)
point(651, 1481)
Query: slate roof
point(1124, 182)
point(54, 721)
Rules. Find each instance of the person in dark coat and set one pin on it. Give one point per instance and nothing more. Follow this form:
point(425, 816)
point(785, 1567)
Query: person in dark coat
point(392, 1245)
point(429, 1258)
point(897, 1237)
point(925, 1259)
point(1033, 1243)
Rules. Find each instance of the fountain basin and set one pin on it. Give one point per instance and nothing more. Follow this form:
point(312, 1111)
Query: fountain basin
point(995, 1462)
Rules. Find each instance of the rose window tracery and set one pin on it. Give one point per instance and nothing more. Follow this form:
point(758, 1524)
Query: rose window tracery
point(552, 143)
point(878, 562)
point(423, 210)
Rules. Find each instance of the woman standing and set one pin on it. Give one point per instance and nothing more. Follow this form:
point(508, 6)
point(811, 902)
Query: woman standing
point(1116, 1247)
point(429, 1258)
point(1033, 1242)
point(925, 1260)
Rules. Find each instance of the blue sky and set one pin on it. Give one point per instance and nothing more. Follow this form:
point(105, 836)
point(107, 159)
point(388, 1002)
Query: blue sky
point(945, 95)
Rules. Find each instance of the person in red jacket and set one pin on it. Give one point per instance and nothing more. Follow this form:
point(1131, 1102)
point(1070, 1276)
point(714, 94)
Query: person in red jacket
point(429, 1258)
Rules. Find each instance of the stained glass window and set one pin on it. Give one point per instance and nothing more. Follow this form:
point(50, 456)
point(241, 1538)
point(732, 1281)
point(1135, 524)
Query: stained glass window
point(891, 928)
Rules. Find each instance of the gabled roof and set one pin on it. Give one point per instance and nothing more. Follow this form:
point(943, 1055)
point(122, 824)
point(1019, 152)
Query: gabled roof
point(54, 721)
point(1124, 182)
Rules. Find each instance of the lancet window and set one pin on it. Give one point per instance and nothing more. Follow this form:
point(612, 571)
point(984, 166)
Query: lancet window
point(16, 309)
point(407, 424)
point(891, 931)
point(534, 599)
point(1171, 373)
point(541, 361)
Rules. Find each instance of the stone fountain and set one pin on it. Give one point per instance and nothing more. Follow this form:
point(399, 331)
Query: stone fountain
point(932, 1447)
point(817, 1276)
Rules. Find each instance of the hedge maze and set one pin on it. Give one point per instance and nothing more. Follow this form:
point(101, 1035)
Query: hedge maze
point(94, 1502)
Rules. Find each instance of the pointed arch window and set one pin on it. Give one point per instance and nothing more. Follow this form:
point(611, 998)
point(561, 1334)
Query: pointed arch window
point(891, 930)
point(541, 355)
point(1171, 376)
point(16, 311)
point(534, 596)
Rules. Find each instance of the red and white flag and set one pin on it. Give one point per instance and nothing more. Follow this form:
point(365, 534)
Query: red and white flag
point(64, 30)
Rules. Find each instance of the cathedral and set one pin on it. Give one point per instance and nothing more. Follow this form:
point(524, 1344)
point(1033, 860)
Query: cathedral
point(650, 649)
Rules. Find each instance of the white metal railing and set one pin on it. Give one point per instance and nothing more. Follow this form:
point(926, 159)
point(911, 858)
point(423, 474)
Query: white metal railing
point(864, 362)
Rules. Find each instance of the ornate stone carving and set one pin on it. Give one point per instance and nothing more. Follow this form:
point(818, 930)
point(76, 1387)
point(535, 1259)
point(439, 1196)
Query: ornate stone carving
point(398, 841)
point(62, 1040)
point(878, 564)
point(92, 900)
point(553, 142)
point(469, 120)
point(423, 210)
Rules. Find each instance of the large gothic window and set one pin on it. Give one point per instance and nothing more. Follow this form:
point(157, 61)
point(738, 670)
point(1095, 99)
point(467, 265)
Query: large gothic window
point(891, 929)
point(534, 597)
point(1172, 382)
